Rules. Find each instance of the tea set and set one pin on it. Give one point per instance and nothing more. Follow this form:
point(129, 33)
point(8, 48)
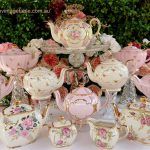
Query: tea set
point(21, 123)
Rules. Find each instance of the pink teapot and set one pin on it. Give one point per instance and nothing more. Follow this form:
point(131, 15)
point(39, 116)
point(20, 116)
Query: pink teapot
point(80, 103)
point(142, 84)
point(13, 58)
point(132, 56)
point(5, 88)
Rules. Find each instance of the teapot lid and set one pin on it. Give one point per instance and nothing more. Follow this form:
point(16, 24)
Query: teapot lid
point(130, 48)
point(62, 122)
point(82, 91)
point(16, 109)
point(142, 105)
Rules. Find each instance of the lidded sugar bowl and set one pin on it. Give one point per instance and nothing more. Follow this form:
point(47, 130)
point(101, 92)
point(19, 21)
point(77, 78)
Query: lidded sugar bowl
point(62, 133)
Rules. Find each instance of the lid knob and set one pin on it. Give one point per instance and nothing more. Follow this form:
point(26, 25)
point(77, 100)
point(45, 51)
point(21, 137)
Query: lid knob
point(143, 99)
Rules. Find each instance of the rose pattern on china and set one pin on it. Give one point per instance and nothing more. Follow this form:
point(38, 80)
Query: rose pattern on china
point(16, 109)
point(66, 131)
point(99, 143)
point(60, 142)
point(23, 128)
point(145, 120)
point(102, 133)
point(130, 136)
point(75, 34)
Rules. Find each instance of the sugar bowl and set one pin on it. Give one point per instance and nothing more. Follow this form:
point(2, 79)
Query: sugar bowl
point(62, 133)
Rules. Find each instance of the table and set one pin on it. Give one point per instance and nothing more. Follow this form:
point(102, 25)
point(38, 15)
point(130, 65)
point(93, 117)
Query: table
point(83, 141)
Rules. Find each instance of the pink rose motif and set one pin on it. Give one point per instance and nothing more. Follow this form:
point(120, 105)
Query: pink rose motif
point(66, 132)
point(28, 123)
point(100, 143)
point(17, 110)
point(60, 142)
point(102, 133)
point(12, 132)
point(24, 133)
point(130, 136)
point(143, 121)
point(80, 15)
point(75, 34)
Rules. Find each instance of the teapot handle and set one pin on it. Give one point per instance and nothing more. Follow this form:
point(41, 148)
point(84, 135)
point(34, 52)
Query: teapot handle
point(125, 129)
point(99, 25)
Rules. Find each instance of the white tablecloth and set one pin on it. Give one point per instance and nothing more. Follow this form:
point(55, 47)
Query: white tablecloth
point(83, 141)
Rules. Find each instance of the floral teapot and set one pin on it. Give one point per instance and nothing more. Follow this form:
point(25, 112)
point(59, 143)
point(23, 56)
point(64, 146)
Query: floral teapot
point(110, 74)
point(12, 58)
point(133, 57)
point(5, 88)
point(20, 125)
point(80, 102)
point(105, 133)
point(137, 118)
point(74, 33)
point(62, 133)
point(40, 82)
point(142, 84)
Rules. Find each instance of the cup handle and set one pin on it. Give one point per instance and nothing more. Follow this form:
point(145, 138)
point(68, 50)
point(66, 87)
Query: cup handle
point(99, 25)
point(125, 129)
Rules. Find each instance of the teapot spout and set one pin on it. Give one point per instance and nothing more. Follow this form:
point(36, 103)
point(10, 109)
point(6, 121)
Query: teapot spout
point(90, 72)
point(54, 31)
point(61, 78)
point(59, 101)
